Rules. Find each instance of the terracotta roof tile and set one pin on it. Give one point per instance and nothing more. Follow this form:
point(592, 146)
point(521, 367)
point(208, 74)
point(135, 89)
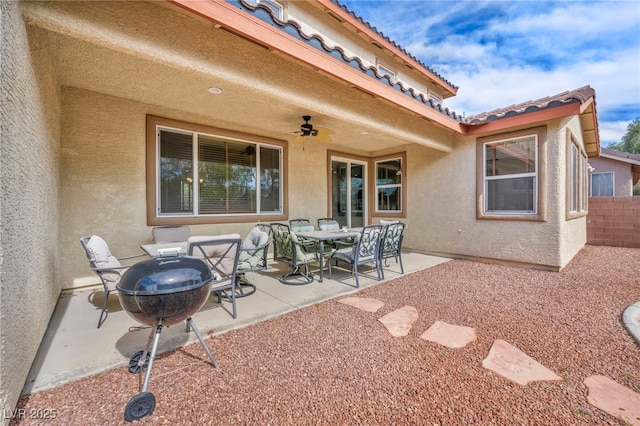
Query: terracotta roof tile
point(580, 95)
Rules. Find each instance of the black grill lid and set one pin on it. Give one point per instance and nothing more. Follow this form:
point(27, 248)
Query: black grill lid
point(164, 275)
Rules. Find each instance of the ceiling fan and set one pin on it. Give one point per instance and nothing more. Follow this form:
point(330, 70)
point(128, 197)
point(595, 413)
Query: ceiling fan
point(307, 130)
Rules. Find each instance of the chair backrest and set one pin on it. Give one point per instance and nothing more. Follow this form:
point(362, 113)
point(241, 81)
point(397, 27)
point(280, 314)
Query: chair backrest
point(101, 259)
point(385, 222)
point(391, 243)
point(301, 225)
point(328, 224)
point(220, 252)
point(282, 248)
point(170, 234)
point(368, 244)
point(254, 250)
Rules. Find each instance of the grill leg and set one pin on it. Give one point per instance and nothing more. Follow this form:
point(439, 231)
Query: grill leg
point(191, 324)
point(154, 348)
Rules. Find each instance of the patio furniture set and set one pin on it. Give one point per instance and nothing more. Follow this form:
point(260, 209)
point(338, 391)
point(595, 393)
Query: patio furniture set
point(169, 288)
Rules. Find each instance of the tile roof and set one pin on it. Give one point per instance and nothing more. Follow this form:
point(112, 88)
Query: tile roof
point(631, 158)
point(294, 29)
point(580, 95)
point(396, 45)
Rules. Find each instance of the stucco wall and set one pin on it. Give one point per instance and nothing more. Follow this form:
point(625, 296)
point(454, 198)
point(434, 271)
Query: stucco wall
point(572, 235)
point(622, 180)
point(442, 215)
point(29, 151)
point(103, 178)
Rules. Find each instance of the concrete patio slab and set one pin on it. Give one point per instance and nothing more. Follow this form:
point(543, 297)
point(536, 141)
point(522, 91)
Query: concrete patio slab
point(73, 347)
point(614, 399)
point(399, 322)
point(449, 335)
point(511, 363)
point(363, 303)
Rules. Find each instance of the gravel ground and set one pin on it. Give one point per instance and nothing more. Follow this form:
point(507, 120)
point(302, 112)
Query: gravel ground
point(332, 364)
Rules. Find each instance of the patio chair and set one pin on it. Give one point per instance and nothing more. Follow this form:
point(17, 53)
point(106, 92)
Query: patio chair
point(303, 225)
point(221, 253)
point(105, 265)
point(170, 234)
point(253, 257)
point(297, 225)
point(328, 224)
point(364, 251)
point(391, 245)
point(288, 249)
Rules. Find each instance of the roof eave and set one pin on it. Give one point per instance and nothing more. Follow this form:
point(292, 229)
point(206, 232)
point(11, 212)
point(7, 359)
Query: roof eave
point(336, 10)
point(250, 28)
point(585, 110)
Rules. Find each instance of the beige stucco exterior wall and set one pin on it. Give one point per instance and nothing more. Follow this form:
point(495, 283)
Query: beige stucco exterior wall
point(29, 151)
point(622, 179)
point(442, 215)
point(572, 235)
point(103, 178)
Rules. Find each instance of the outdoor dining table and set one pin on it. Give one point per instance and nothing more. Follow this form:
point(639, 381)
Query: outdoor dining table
point(322, 236)
point(165, 249)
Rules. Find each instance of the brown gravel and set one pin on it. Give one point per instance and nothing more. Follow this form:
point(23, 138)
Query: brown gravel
point(334, 364)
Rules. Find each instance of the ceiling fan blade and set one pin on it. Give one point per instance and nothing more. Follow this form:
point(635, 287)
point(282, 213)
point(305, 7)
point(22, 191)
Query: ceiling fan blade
point(324, 134)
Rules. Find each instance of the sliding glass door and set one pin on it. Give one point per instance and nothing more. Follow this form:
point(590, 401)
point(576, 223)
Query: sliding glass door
point(349, 192)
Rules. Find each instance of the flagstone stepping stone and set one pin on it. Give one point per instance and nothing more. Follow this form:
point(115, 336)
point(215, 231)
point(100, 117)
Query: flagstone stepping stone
point(399, 322)
point(451, 336)
point(511, 363)
point(614, 399)
point(363, 303)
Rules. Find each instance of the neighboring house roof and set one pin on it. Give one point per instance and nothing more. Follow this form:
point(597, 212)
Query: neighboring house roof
point(625, 157)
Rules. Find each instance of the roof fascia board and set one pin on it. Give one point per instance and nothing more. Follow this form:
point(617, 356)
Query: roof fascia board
point(245, 25)
point(335, 9)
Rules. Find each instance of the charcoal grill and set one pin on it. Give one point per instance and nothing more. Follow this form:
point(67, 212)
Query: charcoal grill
point(161, 292)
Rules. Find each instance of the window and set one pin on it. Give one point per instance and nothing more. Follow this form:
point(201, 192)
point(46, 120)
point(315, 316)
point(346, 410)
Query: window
point(435, 99)
point(576, 179)
point(208, 173)
point(511, 175)
point(388, 185)
point(602, 184)
point(275, 7)
point(385, 70)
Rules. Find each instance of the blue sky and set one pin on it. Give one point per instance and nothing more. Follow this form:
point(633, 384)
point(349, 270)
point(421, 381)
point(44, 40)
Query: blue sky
point(501, 53)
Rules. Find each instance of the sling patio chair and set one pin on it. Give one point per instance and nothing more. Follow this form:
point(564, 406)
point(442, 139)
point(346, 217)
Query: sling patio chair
point(221, 253)
point(105, 265)
point(364, 251)
point(288, 249)
point(253, 257)
point(391, 245)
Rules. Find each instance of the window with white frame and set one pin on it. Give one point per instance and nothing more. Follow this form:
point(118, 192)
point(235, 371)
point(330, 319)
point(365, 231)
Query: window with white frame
point(385, 70)
point(435, 99)
point(510, 176)
point(276, 8)
point(389, 185)
point(577, 180)
point(200, 174)
point(602, 184)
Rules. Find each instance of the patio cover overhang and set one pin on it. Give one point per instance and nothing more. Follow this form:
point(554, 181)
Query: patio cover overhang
point(267, 87)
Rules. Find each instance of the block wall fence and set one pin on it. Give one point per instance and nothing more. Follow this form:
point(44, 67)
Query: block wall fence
point(614, 221)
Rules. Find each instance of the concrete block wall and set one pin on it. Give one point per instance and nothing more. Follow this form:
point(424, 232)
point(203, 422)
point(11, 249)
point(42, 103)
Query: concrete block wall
point(614, 221)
